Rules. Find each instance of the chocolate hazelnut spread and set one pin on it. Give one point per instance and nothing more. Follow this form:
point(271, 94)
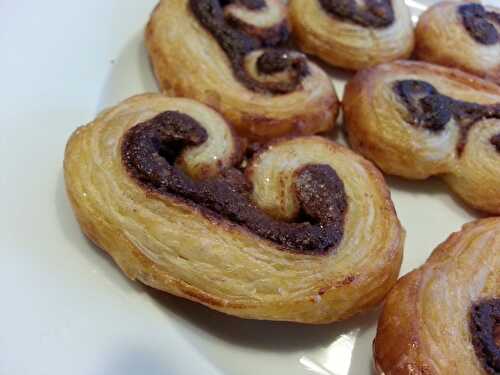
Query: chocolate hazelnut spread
point(485, 330)
point(431, 110)
point(278, 60)
point(373, 13)
point(236, 44)
point(250, 4)
point(149, 151)
point(495, 141)
point(480, 23)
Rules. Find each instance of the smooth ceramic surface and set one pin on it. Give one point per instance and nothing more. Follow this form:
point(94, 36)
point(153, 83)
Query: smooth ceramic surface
point(66, 309)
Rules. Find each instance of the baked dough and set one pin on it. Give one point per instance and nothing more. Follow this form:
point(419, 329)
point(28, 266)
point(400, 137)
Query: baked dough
point(357, 40)
point(453, 131)
point(443, 37)
point(154, 205)
point(439, 316)
point(290, 95)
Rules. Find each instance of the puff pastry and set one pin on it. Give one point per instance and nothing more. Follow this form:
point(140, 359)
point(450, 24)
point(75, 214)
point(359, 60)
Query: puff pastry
point(417, 120)
point(444, 317)
point(305, 231)
point(462, 35)
point(231, 56)
point(350, 34)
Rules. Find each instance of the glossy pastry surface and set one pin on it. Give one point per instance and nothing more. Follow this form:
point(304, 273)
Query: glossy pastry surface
point(303, 231)
point(350, 34)
point(444, 317)
point(463, 35)
point(231, 55)
point(418, 120)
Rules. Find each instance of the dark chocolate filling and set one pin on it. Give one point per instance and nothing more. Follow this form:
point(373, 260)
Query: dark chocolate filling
point(236, 44)
point(278, 60)
point(149, 151)
point(429, 109)
point(485, 329)
point(479, 23)
point(250, 4)
point(374, 13)
point(495, 141)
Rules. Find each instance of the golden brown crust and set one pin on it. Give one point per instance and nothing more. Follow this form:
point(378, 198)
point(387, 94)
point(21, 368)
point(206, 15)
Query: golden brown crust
point(424, 326)
point(172, 246)
point(377, 127)
point(346, 44)
point(189, 62)
point(441, 38)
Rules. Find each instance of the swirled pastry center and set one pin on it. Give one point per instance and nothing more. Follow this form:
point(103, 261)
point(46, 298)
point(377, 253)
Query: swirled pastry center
point(485, 329)
point(149, 151)
point(237, 44)
point(373, 13)
point(429, 109)
point(480, 23)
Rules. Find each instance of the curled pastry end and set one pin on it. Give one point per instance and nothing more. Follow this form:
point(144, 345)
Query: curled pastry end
point(231, 55)
point(418, 120)
point(158, 183)
point(461, 35)
point(353, 34)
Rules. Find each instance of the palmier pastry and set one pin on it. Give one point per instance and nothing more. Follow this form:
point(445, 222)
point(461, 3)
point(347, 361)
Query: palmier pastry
point(417, 120)
point(353, 34)
point(230, 55)
point(463, 35)
point(304, 231)
point(444, 317)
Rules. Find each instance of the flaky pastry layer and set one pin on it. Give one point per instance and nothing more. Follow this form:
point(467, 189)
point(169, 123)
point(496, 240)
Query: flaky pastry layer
point(175, 246)
point(424, 328)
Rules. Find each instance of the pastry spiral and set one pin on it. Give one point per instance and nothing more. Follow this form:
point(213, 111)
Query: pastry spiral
point(231, 56)
point(462, 35)
point(353, 36)
point(417, 120)
point(305, 231)
point(444, 317)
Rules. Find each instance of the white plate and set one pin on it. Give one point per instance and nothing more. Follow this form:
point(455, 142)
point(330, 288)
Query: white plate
point(66, 309)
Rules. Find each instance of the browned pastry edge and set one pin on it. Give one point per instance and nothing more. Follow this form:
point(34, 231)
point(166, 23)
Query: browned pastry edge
point(391, 344)
point(396, 347)
point(138, 267)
